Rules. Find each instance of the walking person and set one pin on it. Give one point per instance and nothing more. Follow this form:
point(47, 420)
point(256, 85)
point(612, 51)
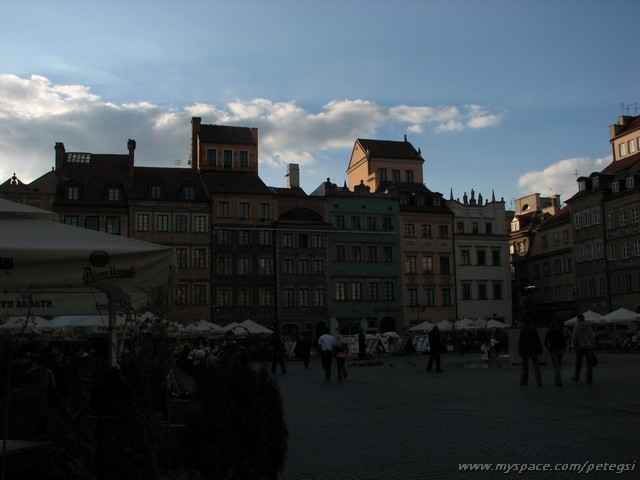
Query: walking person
point(435, 344)
point(582, 341)
point(325, 345)
point(530, 348)
point(341, 350)
point(554, 341)
point(277, 353)
point(303, 348)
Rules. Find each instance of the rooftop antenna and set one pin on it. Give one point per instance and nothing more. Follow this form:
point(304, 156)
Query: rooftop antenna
point(177, 163)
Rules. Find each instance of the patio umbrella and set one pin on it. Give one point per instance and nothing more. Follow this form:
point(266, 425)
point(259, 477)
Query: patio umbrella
point(49, 268)
point(390, 335)
point(422, 327)
point(589, 316)
point(444, 325)
point(24, 325)
point(480, 323)
point(621, 315)
point(496, 324)
point(254, 327)
point(465, 324)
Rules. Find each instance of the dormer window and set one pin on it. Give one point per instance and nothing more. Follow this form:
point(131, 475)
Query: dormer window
point(595, 182)
point(582, 185)
point(72, 192)
point(155, 192)
point(515, 226)
point(78, 157)
point(114, 194)
point(628, 183)
point(615, 186)
point(189, 192)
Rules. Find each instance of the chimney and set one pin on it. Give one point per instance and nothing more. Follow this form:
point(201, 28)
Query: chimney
point(293, 175)
point(131, 146)
point(60, 155)
point(195, 130)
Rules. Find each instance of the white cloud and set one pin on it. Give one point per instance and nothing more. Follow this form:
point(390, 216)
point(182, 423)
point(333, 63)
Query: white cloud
point(35, 113)
point(560, 178)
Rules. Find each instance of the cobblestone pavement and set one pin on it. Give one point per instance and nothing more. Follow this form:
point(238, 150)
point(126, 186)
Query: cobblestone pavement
point(397, 421)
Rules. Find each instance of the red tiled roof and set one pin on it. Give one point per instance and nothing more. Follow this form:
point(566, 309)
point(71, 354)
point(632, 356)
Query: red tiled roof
point(389, 149)
point(225, 134)
point(617, 166)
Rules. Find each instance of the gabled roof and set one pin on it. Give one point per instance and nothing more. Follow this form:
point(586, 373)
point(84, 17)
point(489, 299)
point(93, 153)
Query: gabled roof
point(617, 166)
point(289, 191)
point(226, 134)
point(562, 216)
point(172, 181)
point(389, 149)
point(634, 124)
point(234, 183)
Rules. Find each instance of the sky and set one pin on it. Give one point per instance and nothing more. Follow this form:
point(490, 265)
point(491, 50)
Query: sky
point(506, 96)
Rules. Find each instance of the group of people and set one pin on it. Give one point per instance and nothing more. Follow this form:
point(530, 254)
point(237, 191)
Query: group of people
point(530, 349)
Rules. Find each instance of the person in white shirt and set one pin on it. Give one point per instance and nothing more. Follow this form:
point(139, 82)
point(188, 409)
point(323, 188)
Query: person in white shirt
point(325, 345)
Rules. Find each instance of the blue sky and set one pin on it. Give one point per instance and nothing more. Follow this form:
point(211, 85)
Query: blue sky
point(510, 96)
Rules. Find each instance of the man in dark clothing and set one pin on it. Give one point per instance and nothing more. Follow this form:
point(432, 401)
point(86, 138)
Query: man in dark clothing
point(530, 347)
point(554, 341)
point(277, 352)
point(435, 344)
point(303, 349)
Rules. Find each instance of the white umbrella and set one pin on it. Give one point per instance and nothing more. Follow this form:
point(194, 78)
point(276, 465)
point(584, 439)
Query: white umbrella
point(422, 327)
point(253, 327)
point(480, 323)
point(621, 315)
point(444, 325)
point(49, 268)
point(390, 335)
point(202, 326)
point(24, 325)
point(589, 316)
point(496, 324)
point(465, 324)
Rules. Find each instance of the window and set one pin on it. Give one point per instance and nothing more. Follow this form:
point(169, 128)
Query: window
point(567, 265)
point(318, 267)
point(211, 157)
point(181, 223)
point(474, 227)
point(303, 267)
point(341, 291)
point(444, 265)
point(224, 236)
point(265, 211)
point(113, 225)
point(373, 290)
point(244, 297)
point(264, 266)
point(409, 230)
point(622, 218)
point(387, 254)
point(426, 231)
point(355, 222)
point(289, 297)
point(382, 173)
point(557, 266)
point(356, 253)
point(338, 221)
point(632, 146)
point(224, 265)
point(264, 237)
point(595, 216)
point(265, 297)
point(577, 221)
point(287, 240)
point(72, 220)
point(609, 220)
point(73, 192)
point(429, 296)
point(244, 265)
point(555, 239)
point(480, 257)
point(545, 242)
point(303, 240)
point(565, 236)
point(464, 257)
point(356, 290)
point(181, 257)
point(413, 297)
point(408, 176)
point(200, 294)
point(340, 254)
point(162, 223)
point(625, 250)
point(92, 222)
point(389, 291)
point(199, 258)
point(372, 253)
point(143, 222)
point(227, 158)
point(443, 231)
point(546, 271)
point(155, 192)
point(224, 297)
point(318, 241)
point(488, 228)
point(78, 157)
point(372, 223)
point(243, 210)
point(466, 291)
point(223, 209)
point(303, 297)
point(427, 264)
point(243, 158)
point(244, 237)
point(595, 182)
point(395, 175)
point(497, 291)
point(615, 187)
point(114, 194)
point(495, 254)
point(318, 297)
point(622, 148)
point(559, 293)
point(200, 224)
point(634, 215)
point(387, 223)
point(287, 266)
point(446, 296)
point(181, 295)
point(636, 248)
point(482, 291)
point(410, 264)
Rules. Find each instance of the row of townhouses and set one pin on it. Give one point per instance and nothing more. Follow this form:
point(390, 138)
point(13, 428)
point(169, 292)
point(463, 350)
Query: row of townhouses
point(380, 253)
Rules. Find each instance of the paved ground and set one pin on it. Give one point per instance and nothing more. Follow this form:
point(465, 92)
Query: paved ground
point(396, 421)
